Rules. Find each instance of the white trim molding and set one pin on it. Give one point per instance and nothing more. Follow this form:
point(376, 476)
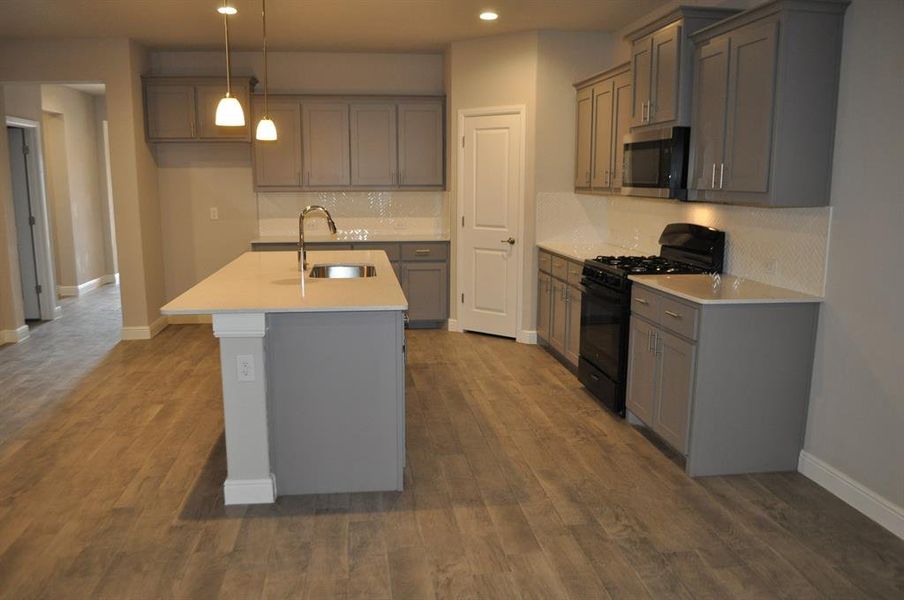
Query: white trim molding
point(881, 510)
point(84, 288)
point(240, 325)
point(250, 491)
point(454, 327)
point(526, 336)
point(14, 336)
point(142, 332)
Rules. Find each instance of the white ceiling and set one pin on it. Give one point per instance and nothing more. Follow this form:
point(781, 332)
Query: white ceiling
point(343, 25)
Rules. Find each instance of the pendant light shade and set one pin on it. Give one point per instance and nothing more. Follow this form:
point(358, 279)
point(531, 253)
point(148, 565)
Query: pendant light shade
point(229, 110)
point(266, 128)
point(230, 113)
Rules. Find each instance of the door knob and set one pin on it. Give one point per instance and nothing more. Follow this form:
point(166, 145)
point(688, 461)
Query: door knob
point(510, 241)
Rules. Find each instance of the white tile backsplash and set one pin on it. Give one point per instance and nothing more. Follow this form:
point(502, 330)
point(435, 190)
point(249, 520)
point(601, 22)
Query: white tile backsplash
point(355, 212)
point(786, 247)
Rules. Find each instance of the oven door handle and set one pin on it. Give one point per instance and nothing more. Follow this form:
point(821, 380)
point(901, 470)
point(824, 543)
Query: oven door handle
point(601, 291)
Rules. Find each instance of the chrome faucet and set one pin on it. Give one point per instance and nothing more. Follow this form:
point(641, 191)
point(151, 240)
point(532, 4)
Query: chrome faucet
point(302, 255)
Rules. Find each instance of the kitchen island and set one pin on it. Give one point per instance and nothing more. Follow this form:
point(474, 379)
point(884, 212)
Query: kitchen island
point(313, 373)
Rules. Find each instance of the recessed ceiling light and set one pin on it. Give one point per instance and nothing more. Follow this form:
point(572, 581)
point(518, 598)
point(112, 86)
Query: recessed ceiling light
point(227, 10)
point(488, 15)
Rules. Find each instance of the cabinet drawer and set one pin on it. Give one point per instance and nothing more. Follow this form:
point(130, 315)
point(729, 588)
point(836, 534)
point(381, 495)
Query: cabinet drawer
point(559, 268)
point(392, 250)
point(679, 317)
point(574, 273)
point(544, 260)
point(426, 251)
point(645, 303)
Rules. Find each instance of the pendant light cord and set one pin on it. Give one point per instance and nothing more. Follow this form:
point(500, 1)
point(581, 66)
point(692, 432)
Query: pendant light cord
point(266, 63)
point(228, 62)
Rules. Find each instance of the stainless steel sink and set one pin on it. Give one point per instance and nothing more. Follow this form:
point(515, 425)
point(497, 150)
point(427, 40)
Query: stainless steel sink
point(342, 271)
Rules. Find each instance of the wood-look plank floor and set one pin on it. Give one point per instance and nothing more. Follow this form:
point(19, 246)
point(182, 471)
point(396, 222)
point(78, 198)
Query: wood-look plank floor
point(518, 486)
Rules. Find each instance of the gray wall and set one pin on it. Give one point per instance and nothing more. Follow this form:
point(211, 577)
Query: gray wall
point(856, 421)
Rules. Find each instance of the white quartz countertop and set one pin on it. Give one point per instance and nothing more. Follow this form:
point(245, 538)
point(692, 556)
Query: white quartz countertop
point(346, 237)
point(264, 282)
point(704, 289)
point(582, 251)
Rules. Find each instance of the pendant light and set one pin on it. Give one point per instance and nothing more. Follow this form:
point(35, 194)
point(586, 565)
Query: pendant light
point(229, 110)
point(266, 128)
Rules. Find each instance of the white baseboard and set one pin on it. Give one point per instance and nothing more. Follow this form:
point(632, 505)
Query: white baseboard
point(57, 312)
point(526, 336)
point(144, 333)
point(189, 319)
point(454, 327)
point(14, 336)
point(881, 510)
point(83, 288)
point(250, 491)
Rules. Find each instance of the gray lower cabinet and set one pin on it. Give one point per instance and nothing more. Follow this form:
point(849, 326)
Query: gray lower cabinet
point(765, 105)
point(422, 269)
point(559, 306)
point(726, 385)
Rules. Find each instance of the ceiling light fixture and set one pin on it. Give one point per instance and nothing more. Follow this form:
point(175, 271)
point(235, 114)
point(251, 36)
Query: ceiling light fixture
point(488, 15)
point(229, 110)
point(266, 128)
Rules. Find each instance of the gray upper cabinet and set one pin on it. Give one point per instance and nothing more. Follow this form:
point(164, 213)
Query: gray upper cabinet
point(277, 164)
point(603, 118)
point(662, 66)
point(325, 139)
point(421, 144)
point(373, 144)
point(183, 109)
point(170, 111)
point(773, 73)
point(584, 131)
point(208, 97)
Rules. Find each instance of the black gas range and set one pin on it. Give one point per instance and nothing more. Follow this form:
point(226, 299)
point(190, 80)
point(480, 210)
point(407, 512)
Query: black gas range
point(606, 302)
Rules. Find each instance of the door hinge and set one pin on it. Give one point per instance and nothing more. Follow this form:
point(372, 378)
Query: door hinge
point(462, 298)
point(462, 221)
point(39, 289)
point(462, 141)
point(32, 220)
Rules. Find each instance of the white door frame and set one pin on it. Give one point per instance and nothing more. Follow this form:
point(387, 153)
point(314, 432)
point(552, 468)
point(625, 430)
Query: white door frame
point(38, 197)
point(519, 110)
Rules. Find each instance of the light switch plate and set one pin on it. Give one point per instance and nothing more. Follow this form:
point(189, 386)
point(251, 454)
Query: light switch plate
point(245, 366)
point(214, 213)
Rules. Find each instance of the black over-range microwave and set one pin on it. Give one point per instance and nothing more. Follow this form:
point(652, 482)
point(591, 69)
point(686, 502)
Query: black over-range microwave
point(656, 163)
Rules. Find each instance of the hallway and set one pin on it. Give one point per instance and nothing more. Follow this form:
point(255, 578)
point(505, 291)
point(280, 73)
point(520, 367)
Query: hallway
point(518, 485)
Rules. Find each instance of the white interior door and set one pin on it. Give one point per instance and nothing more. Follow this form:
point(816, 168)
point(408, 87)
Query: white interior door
point(25, 221)
point(489, 245)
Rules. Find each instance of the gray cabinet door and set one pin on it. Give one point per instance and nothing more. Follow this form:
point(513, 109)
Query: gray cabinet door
point(664, 95)
point(544, 306)
point(278, 163)
point(641, 370)
point(325, 137)
point(170, 112)
point(426, 286)
point(373, 144)
point(751, 96)
point(622, 119)
point(421, 144)
point(584, 136)
point(558, 329)
point(573, 334)
point(710, 93)
point(675, 381)
point(642, 70)
point(209, 96)
point(601, 176)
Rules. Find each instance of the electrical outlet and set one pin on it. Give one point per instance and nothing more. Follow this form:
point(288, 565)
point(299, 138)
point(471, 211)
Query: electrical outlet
point(214, 213)
point(245, 365)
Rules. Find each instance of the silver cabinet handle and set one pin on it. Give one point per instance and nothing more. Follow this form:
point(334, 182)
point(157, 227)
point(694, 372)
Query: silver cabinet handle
point(674, 315)
point(309, 178)
point(712, 183)
point(650, 341)
point(422, 251)
point(510, 241)
point(657, 344)
point(565, 293)
point(641, 301)
point(643, 113)
point(608, 178)
point(721, 173)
